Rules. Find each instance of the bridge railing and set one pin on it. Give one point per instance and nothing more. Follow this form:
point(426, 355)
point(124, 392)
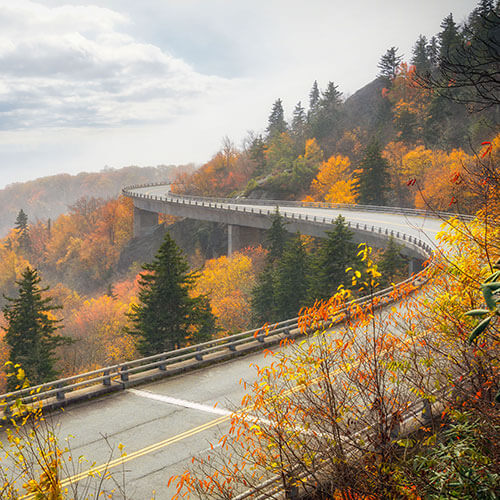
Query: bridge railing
point(421, 247)
point(205, 201)
point(120, 374)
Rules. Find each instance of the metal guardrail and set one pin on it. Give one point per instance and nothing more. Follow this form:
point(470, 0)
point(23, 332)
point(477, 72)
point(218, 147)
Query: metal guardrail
point(170, 197)
point(231, 345)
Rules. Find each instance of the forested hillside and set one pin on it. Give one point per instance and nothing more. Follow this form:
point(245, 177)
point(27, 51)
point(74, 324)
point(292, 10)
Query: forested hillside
point(48, 197)
point(397, 141)
point(400, 133)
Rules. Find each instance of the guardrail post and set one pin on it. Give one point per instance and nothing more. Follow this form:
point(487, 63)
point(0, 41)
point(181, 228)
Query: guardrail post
point(60, 395)
point(260, 338)
point(124, 373)
point(162, 366)
point(198, 355)
point(107, 379)
point(232, 347)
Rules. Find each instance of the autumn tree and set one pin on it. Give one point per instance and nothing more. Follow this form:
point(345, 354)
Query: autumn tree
point(31, 330)
point(373, 179)
point(335, 182)
point(229, 282)
point(166, 316)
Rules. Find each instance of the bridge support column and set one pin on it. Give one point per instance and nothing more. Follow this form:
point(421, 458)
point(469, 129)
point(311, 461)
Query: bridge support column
point(144, 221)
point(415, 266)
point(239, 237)
point(233, 238)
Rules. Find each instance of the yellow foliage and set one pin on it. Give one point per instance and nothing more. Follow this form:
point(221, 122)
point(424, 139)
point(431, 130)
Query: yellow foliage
point(228, 281)
point(334, 182)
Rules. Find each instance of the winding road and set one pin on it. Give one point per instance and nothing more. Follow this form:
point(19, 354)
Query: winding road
point(163, 424)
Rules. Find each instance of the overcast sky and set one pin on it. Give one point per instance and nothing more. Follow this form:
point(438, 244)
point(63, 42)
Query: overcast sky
point(90, 83)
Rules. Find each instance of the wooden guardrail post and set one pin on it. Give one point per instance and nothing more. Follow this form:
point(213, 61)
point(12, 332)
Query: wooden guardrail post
point(107, 379)
point(198, 355)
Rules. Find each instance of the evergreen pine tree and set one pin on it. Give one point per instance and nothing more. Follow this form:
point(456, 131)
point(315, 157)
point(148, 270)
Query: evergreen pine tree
point(276, 237)
point(391, 263)
point(389, 64)
point(276, 122)
point(420, 57)
point(299, 124)
point(325, 120)
point(373, 180)
point(263, 295)
point(332, 97)
point(263, 298)
point(449, 38)
point(336, 253)
point(433, 53)
point(257, 153)
point(30, 331)
point(166, 317)
point(22, 229)
point(292, 276)
point(314, 97)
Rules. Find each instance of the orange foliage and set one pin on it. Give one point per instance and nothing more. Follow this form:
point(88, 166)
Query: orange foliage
point(442, 181)
point(227, 171)
point(97, 329)
point(410, 102)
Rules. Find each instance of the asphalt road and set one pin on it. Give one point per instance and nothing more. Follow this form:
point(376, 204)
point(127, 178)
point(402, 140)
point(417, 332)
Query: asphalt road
point(162, 425)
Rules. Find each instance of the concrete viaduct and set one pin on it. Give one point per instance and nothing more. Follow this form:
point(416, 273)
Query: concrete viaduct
point(414, 230)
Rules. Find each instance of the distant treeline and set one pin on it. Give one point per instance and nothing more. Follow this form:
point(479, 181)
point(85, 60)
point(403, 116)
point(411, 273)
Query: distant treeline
point(49, 197)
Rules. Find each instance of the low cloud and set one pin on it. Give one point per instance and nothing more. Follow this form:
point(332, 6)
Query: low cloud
point(77, 66)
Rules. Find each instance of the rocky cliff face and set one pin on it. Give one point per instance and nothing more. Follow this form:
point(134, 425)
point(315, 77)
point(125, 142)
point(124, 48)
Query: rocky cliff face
point(191, 235)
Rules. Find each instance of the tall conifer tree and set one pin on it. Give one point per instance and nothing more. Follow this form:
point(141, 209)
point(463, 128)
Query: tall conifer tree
point(336, 253)
point(31, 330)
point(276, 123)
point(389, 64)
point(22, 229)
point(374, 178)
point(166, 317)
point(292, 276)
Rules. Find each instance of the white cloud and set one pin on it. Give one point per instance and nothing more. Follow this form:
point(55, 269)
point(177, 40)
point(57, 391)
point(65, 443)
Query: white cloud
point(72, 66)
